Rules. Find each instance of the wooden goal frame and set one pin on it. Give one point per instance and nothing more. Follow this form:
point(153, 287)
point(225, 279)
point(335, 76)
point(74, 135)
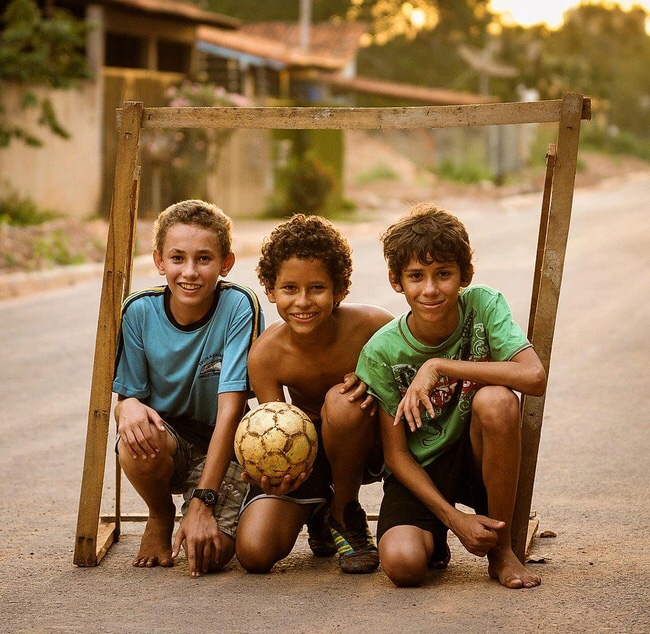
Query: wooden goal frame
point(94, 534)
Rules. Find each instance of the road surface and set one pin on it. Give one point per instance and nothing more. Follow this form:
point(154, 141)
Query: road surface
point(591, 487)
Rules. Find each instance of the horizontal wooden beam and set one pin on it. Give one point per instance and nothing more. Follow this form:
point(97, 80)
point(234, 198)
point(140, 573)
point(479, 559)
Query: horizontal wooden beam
point(357, 118)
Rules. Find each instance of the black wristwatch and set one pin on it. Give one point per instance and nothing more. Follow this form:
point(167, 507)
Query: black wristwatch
point(209, 496)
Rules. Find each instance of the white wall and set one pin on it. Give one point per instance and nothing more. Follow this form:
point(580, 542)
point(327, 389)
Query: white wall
point(63, 175)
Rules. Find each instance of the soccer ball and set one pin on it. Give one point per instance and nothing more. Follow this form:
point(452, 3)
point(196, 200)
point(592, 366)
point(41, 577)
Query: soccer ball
point(274, 439)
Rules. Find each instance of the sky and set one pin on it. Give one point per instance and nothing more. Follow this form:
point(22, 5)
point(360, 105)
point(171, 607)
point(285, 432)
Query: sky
point(527, 12)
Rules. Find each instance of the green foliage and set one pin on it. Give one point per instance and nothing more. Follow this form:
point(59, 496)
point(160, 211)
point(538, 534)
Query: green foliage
point(53, 248)
point(601, 51)
point(614, 141)
point(39, 51)
point(22, 211)
point(378, 172)
point(305, 186)
point(466, 172)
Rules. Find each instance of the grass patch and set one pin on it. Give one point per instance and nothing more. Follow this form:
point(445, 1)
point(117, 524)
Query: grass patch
point(467, 172)
point(379, 172)
point(53, 248)
point(22, 211)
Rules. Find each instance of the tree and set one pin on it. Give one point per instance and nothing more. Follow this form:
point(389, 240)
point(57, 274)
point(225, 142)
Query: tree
point(39, 51)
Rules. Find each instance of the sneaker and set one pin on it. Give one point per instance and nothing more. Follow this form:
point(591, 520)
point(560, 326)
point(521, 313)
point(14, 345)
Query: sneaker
point(440, 564)
point(357, 551)
point(320, 538)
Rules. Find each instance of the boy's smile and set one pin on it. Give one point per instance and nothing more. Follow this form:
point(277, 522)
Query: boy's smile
point(431, 291)
point(304, 294)
point(192, 263)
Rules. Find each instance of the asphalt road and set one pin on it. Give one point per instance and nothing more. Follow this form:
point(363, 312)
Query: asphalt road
point(591, 488)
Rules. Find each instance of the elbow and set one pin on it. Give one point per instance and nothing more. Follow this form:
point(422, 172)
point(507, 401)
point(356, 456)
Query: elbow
point(538, 382)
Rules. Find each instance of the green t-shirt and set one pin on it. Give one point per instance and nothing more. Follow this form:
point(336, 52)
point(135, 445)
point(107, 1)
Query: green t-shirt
point(391, 358)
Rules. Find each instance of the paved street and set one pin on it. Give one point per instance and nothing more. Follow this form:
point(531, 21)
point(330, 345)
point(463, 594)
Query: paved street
point(591, 488)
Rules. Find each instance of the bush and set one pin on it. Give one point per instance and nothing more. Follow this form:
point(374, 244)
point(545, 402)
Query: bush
point(379, 172)
point(23, 211)
point(305, 185)
point(467, 172)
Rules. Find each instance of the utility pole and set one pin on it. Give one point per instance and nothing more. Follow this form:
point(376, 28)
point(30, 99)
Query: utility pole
point(305, 25)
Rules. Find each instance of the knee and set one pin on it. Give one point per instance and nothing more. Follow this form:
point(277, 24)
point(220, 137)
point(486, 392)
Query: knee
point(149, 467)
point(497, 409)
point(342, 416)
point(254, 558)
point(405, 566)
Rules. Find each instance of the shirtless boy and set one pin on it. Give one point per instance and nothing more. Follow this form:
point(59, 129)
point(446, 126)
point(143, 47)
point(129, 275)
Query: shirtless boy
point(312, 352)
point(444, 375)
point(182, 388)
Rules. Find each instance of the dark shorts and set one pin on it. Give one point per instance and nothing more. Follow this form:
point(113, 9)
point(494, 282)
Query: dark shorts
point(454, 475)
point(317, 489)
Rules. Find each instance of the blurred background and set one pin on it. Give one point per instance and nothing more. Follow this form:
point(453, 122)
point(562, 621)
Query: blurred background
point(66, 65)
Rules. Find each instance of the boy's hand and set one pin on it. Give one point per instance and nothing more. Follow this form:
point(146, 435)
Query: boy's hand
point(417, 396)
point(138, 426)
point(200, 532)
point(350, 381)
point(286, 486)
point(477, 533)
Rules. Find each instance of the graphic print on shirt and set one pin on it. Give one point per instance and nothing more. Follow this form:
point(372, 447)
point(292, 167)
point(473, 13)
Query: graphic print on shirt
point(448, 392)
point(210, 366)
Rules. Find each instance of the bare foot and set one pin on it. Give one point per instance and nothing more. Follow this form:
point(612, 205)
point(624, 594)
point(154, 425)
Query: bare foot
point(156, 544)
point(510, 572)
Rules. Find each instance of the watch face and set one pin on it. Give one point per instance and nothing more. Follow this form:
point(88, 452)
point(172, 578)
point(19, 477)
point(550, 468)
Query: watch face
point(209, 497)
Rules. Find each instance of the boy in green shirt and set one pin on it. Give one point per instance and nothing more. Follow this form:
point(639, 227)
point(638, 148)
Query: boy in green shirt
point(444, 375)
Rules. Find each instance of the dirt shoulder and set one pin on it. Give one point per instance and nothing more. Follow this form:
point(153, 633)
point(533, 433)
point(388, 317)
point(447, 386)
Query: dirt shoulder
point(63, 251)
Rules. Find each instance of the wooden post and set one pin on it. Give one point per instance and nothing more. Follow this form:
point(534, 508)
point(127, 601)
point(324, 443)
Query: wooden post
point(89, 549)
point(544, 309)
point(554, 227)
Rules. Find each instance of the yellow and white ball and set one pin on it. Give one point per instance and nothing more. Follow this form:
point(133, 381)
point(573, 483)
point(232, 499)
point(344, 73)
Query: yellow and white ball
point(274, 439)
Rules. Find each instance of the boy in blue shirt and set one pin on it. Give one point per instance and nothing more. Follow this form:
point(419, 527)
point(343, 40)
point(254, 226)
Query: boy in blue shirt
point(444, 375)
point(182, 387)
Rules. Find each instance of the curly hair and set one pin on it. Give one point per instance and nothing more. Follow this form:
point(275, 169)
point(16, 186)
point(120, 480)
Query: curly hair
point(428, 234)
point(194, 212)
point(306, 237)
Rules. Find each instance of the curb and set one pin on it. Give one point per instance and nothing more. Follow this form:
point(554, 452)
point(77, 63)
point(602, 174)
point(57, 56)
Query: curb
point(23, 283)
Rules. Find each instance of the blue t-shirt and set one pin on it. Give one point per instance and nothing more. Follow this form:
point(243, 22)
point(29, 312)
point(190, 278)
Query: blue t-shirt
point(391, 358)
point(178, 370)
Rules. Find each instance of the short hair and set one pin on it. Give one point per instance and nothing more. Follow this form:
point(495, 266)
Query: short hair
point(194, 212)
point(306, 237)
point(428, 234)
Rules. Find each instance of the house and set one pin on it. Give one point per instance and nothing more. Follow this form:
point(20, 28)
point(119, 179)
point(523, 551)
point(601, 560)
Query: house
point(140, 48)
point(135, 50)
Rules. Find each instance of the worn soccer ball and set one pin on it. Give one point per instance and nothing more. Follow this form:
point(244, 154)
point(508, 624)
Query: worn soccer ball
point(274, 439)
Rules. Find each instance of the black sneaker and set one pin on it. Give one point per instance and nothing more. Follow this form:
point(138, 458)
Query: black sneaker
point(320, 538)
point(357, 551)
point(440, 564)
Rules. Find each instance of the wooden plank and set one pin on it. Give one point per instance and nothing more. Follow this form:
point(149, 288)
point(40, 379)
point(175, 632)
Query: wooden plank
point(106, 536)
point(133, 220)
point(551, 155)
point(546, 305)
point(356, 118)
point(118, 250)
point(533, 526)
